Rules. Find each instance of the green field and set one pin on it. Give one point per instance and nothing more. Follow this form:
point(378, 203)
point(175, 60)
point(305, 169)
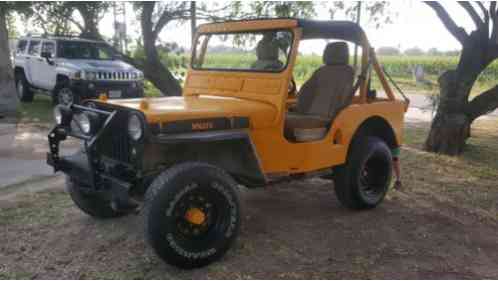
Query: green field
point(399, 67)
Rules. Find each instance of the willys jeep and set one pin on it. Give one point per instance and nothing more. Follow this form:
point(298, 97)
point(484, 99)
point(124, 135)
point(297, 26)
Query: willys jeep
point(240, 122)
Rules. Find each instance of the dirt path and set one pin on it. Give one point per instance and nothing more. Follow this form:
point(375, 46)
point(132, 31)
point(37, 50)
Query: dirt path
point(444, 225)
point(296, 230)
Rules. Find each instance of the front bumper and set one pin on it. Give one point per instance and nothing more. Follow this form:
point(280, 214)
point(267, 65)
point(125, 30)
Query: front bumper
point(90, 167)
point(93, 89)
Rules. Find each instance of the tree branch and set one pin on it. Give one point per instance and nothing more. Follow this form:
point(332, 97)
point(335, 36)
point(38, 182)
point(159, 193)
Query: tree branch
point(483, 104)
point(472, 13)
point(493, 12)
point(166, 17)
point(458, 32)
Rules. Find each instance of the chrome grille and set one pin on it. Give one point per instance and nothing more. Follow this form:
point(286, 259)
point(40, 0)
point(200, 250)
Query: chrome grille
point(114, 76)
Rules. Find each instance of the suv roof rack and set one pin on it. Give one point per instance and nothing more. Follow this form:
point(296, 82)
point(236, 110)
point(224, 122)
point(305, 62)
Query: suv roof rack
point(48, 35)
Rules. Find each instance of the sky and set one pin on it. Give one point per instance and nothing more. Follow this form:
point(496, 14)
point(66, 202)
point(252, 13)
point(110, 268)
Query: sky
point(414, 25)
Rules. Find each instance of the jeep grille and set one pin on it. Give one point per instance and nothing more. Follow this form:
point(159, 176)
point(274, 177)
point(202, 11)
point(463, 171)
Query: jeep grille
point(114, 142)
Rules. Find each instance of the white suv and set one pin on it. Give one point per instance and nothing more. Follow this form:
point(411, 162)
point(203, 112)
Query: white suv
point(72, 69)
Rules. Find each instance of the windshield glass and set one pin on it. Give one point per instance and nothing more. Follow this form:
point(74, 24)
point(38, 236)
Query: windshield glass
point(84, 50)
point(265, 51)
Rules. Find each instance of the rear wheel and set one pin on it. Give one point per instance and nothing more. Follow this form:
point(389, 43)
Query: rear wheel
point(363, 181)
point(192, 214)
point(24, 93)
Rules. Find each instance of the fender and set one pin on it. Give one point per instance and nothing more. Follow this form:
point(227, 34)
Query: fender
point(231, 150)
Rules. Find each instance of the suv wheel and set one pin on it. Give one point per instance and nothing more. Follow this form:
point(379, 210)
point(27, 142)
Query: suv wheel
point(363, 181)
point(63, 94)
point(24, 93)
point(192, 214)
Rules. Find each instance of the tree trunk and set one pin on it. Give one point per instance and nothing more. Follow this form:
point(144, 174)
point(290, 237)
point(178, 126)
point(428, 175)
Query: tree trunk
point(154, 70)
point(8, 97)
point(90, 22)
point(450, 128)
point(157, 73)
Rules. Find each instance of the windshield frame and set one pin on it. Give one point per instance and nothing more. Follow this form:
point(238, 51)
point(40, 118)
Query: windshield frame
point(99, 45)
point(198, 36)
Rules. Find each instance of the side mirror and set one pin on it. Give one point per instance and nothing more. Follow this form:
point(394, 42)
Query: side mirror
point(47, 56)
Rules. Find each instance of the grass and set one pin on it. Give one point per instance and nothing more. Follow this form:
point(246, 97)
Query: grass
point(469, 179)
point(38, 111)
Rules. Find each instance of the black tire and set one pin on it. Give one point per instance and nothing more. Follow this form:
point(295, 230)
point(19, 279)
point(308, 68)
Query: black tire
point(62, 92)
point(24, 93)
point(93, 204)
point(173, 237)
point(363, 181)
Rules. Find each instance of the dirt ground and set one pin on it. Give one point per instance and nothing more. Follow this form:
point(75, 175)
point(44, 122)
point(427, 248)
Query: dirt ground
point(443, 225)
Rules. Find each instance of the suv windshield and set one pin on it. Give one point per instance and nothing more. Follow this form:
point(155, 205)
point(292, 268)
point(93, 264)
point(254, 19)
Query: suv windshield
point(265, 51)
point(84, 50)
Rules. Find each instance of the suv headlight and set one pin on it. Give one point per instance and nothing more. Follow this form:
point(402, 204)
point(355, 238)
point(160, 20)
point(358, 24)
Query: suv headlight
point(140, 75)
point(90, 75)
point(135, 127)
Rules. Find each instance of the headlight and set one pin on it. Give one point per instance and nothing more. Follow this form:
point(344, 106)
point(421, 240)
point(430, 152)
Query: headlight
point(85, 123)
point(90, 75)
point(77, 75)
point(57, 115)
point(135, 127)
point(89, 122)
point(140, 75)
point(62, 115)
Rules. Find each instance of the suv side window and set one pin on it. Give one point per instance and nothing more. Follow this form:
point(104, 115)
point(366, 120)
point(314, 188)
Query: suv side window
point(34, 48)
point(48, 47)
point(21, 46)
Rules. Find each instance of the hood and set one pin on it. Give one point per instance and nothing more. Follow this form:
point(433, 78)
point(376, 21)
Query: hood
point(98, 65)
point(167, 109)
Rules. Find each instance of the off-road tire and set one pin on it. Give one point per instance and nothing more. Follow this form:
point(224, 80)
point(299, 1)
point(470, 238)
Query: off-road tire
point(167, 194)
point(24, 93)
point(350, 178)
point(93, 204)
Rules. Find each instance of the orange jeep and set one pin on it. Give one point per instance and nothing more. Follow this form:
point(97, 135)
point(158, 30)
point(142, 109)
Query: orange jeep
point(240, 122)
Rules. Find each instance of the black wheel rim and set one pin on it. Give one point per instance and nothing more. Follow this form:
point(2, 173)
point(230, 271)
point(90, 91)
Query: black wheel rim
point(197, 236)
point(374, 177)
point(65, 96)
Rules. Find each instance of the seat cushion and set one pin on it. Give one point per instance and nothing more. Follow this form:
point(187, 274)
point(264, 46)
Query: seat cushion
point(303, 127)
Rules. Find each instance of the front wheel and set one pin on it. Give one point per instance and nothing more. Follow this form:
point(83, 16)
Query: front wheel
point(192, 214)
point(93, 204)
point(363, 181)
point(63, 94)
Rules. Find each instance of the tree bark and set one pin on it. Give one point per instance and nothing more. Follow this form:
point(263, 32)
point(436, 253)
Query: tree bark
point(154, 70)
point(450, 127)
point(8, 97)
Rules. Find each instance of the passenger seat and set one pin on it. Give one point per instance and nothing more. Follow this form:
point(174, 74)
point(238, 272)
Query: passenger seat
point(322, 97)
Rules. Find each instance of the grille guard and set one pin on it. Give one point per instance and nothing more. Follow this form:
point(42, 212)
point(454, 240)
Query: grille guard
point(60, 133)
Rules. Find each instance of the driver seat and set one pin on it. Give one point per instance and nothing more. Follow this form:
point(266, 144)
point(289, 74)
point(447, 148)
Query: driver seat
point(322, 97)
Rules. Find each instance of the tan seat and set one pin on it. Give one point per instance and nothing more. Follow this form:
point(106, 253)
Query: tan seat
point(322, 97)
point(267, 54)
